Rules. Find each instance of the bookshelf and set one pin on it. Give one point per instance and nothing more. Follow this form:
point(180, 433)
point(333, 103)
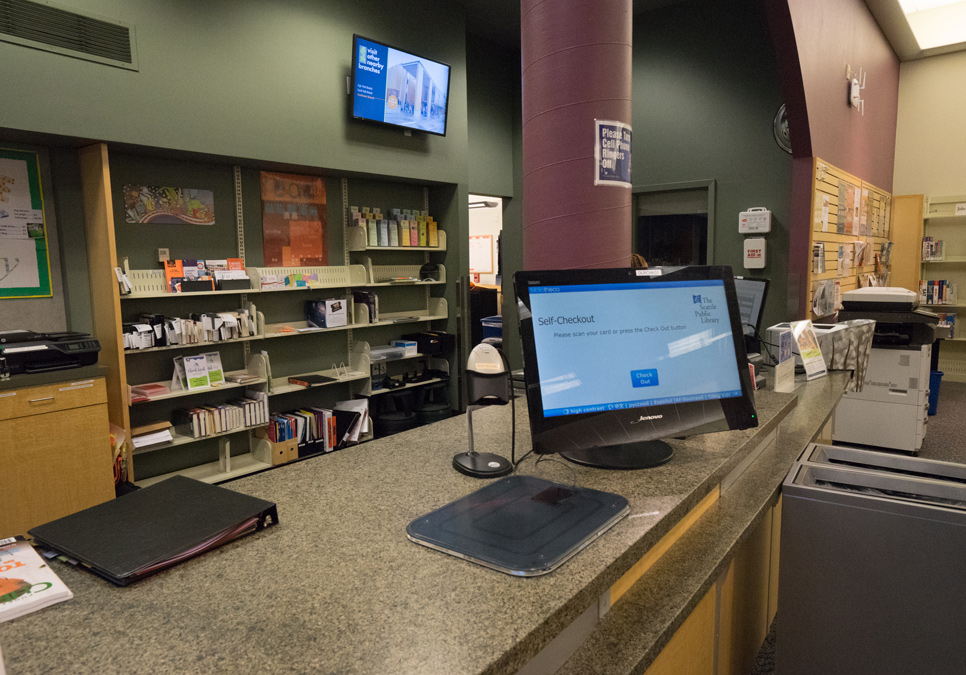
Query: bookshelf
point(407, 304)
point(944, 218)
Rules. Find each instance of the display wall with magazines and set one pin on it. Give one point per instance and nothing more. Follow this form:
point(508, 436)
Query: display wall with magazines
point(232, 300)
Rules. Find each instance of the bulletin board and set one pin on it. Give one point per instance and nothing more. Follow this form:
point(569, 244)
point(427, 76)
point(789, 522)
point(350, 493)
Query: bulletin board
point(849, 240)
point(481, 254)
point(24, 259)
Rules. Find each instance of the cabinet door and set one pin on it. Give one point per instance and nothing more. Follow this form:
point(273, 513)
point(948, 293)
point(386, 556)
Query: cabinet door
point(53, 465)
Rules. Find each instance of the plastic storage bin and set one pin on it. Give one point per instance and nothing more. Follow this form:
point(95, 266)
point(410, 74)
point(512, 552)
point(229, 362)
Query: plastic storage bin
point(492, 327)
point(935, 379)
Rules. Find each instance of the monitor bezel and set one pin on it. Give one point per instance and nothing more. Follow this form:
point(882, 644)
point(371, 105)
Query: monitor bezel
point(739, 412)
point(352, 90)
point(764, 298)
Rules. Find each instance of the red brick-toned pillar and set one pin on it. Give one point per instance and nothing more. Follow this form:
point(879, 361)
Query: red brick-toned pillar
point(576, 68)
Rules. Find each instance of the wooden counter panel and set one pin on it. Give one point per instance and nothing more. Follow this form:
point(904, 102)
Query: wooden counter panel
point(54, 465)
point(51, 398)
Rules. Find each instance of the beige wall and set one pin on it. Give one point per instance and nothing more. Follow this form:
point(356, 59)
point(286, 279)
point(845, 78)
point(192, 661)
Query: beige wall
point(931, 131)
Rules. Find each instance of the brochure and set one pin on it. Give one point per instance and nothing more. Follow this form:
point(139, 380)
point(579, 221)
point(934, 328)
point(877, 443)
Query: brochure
point(26, 581)
point(216, 375)
point(809, 349)
point(196, 371)
point(785, 368)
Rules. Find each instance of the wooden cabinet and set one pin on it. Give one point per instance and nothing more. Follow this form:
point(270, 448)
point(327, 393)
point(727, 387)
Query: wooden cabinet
point(55, 452)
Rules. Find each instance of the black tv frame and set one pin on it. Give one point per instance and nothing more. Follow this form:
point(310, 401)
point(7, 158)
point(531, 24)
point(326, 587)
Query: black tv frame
point(352, 91)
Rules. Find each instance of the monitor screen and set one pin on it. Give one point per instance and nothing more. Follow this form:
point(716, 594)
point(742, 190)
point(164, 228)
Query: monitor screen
point(616, 359)
point(751, 302)
point(398, 88)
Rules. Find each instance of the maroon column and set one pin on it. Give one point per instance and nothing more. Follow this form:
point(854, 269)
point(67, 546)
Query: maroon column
point(576, 68)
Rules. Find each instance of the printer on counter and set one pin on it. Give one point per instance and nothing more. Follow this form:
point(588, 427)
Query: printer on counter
point(24, 351)
point(890, 411)
point(899, 324)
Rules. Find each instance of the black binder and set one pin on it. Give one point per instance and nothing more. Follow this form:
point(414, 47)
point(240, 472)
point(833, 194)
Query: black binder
point(148, 530)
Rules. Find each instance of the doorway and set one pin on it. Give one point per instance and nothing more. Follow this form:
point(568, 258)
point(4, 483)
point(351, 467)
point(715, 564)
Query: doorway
point(674, 223)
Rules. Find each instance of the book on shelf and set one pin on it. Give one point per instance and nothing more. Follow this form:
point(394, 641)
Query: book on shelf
point(371, 301)
point(241, 378)
point(149, 390)
point(152, 438)
point(150, 428)
point(307, 426)
point(310, 380)
point(948, 320)
point(26, 581)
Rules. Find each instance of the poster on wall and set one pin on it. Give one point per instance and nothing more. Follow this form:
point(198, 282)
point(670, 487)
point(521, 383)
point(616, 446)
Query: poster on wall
point(168, 205)
point(24, 260)
point(293, 220)
point(612, 152)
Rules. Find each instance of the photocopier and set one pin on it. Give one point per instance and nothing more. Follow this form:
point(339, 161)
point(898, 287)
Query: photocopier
point(891, 409)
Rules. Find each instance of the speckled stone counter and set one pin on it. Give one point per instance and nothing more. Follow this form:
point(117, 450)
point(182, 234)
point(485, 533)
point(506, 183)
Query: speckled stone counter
point(337, 587)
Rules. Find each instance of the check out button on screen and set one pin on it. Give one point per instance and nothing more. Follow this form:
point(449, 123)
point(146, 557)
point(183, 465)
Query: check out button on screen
point(644, 378)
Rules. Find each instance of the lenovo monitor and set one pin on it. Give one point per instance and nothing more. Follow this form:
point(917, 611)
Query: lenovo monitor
point(617, 359)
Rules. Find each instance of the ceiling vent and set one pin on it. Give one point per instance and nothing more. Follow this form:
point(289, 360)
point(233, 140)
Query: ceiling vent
point(55, 28)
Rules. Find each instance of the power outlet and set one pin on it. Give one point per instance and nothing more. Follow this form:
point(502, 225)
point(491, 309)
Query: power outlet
point(164, 255)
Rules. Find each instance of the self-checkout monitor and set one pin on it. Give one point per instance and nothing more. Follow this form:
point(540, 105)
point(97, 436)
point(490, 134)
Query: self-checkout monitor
point(617, 359)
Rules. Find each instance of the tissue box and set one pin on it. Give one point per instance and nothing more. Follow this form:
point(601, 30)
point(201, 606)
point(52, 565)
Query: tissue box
point(408, 346)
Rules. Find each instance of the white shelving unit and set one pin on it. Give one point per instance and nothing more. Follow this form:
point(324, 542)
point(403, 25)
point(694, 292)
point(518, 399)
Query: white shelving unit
point(944, 218)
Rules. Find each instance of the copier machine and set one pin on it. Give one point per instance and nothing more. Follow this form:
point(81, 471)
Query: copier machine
point(891, 410)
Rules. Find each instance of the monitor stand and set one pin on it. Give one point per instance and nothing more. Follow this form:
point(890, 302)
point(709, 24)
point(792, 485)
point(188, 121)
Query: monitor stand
point(626, 456)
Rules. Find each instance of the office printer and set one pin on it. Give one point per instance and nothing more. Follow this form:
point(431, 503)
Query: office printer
point(899, 324)
point(890, 411)
point(25, 351)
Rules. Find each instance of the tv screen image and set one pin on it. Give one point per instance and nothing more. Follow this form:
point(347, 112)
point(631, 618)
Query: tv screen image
point(398, 88)
point(617, 359)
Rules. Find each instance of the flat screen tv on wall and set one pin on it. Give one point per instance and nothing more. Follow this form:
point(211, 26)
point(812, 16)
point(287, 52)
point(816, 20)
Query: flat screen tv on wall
point(398, 88)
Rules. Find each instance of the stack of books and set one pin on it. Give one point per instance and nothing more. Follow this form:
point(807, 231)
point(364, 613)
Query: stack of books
point(202, 421)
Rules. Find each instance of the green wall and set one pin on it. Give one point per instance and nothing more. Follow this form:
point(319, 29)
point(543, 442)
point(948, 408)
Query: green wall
point(705, 94)
point(493, 85)
point(257, 80)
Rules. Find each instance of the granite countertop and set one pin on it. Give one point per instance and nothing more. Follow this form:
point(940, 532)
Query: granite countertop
point(337, 587)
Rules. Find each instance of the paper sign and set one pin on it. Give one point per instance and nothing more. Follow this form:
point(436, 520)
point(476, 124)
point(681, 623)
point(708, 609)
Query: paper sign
point(960, 209)
point(612, 152)
point(785, 368)
point(196, 371)
point(808, 348)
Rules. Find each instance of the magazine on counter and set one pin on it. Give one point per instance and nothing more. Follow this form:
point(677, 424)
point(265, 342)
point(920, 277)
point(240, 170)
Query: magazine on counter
point(26, 581)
